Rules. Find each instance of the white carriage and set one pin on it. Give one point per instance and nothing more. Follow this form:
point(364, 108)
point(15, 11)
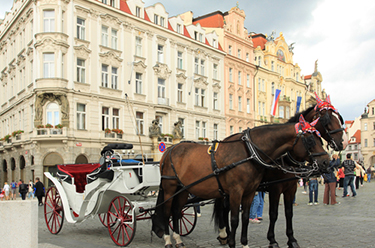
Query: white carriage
point(115, 189)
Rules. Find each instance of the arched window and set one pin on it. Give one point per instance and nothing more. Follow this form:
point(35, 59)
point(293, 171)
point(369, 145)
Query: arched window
point(53, 114)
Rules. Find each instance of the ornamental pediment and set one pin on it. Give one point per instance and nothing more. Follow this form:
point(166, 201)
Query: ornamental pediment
point(162, 71)
point(82, 51)
point(200, 82)
point(111, 58)
point(110, 20)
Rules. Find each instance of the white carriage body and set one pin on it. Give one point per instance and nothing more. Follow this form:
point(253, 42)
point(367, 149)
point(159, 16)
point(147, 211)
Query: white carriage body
point(99, 193)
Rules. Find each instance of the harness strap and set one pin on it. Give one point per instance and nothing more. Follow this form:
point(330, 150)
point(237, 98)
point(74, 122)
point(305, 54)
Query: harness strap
point(214, 167)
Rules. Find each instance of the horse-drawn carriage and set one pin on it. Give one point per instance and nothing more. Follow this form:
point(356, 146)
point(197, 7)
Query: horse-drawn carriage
point(115, 189)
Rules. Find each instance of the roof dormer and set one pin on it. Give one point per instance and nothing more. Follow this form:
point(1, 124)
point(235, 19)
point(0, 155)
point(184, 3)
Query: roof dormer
point(158, 15)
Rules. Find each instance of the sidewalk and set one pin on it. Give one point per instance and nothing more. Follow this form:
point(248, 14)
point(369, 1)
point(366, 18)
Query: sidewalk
point(350, 224)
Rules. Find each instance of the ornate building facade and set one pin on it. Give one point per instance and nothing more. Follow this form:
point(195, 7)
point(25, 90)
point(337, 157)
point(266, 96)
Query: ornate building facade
point(239, 69)
point(77, 75)
point(368, 135)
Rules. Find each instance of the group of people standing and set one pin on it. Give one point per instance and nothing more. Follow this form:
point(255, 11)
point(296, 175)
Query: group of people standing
point(9, 192)
point(348, 172)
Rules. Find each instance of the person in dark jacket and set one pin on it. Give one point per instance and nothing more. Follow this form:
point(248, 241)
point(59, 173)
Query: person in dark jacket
point(39, 191)
point(330, 181)
point(22, 188)
point(349, 167)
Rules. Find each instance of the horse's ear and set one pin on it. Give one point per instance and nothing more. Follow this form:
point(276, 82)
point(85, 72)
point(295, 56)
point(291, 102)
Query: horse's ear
point(319, 101)
point(314, 122)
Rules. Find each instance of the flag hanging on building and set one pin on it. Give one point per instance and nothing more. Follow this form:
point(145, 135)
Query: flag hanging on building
point(299, 99)
point(275, 101)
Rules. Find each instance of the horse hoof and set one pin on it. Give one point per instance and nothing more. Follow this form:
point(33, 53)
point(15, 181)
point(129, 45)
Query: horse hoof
point(169, 246)
point(274, 245)
point(223, 241)
point(180, 245)
point(293, 245)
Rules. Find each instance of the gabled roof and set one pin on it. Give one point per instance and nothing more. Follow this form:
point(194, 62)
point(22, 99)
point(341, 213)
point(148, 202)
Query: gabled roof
point(211, 20)
point(357, 136)
point(125, 7)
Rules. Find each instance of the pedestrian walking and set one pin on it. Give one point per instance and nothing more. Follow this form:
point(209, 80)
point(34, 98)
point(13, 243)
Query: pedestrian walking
point(30, 190)
point(341, 176)
point(22, 189)
point(313, 191)
point(6, 190)
point(39, 191)
point(369, 174)
point(330, 181)
point(13, 188)
point(349, 166)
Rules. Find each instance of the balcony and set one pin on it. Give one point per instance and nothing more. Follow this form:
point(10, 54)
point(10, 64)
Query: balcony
point(49, 131)
point(163, 101)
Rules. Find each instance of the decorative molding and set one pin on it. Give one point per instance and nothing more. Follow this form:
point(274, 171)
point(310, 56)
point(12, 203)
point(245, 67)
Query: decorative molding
point(111, 58)
point(82, 51)
point(162, 71)
point(110, 20)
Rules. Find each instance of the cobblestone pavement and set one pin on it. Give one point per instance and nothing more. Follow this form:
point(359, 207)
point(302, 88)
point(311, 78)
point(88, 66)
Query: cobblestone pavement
point(350, 224)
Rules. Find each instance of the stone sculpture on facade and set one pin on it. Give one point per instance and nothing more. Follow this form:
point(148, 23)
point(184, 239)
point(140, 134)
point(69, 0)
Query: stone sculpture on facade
point(154, 130)
point(177, 131)
point(43, 98)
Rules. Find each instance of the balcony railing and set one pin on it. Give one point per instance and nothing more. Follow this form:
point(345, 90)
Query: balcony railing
point(113, 135)
point(49, 131)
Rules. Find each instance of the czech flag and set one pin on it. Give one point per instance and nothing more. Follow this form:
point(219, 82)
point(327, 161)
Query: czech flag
point(275, 101)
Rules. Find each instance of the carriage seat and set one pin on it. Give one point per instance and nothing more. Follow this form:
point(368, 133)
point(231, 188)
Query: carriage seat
point(77, 171)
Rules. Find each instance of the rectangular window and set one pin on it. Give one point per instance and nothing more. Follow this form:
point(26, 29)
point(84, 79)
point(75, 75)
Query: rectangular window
point(202, 67)
point(365, 142)
point(104, 75)
point(239, 103)
point(281, 111)
point(365, 126)
point(231, 130)
point(48, 65)
point(105, 118)
point(104, 36)
point(216, 104)
point(287, 112)
point(230, 50)
point(214, 43)
point(49, 20)
point(156, 19)
point(138, 46)
point(197, 127)
point(138, 83)
point(114, 78)
point(81, 116)
point(161, 88)
point(114, 39)
point(204, 131)
point(216, 131)
point(248, 80)
point(239, 53)
point(140, 122)
point(137, 11)
point(239, 78)
point(196, 65)
point(203, 97)
point(81, 71)
point(248, 105)
point(81, 29)
point(179, 93)
point(160, 54)
point(116, 118)
point(201, 37)
point(247, 57)
point(112, 3)
point(230, 101)
point(196, 96)
point(373, 124)
point(179, 28)
point(179, 60)
point(162, 21)
point(182, 126)
point(215, 71)
point(230, 75)
point(160, 119)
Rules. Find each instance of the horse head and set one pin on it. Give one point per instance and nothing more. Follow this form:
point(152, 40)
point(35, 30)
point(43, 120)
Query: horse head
point(330, 124)
point(308, 145)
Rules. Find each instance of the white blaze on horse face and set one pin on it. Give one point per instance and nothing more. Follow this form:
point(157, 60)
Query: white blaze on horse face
point(344, 137)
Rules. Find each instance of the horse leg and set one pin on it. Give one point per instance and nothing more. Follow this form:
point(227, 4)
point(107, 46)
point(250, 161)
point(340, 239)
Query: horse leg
point(235, 201)
point(178, 203)
point(246, 204)
point(288, 208)
point(168, 192)
point(274, 198)
point(221, 215)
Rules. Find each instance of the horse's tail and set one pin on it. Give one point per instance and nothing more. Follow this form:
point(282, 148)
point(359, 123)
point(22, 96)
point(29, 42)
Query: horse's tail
point(158, 217)
point(217, 213)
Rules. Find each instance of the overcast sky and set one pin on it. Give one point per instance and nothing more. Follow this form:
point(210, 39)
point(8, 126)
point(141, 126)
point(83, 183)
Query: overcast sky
point(340, 34)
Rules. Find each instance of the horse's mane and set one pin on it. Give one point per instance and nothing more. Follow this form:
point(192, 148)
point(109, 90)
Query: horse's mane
point(295, 118)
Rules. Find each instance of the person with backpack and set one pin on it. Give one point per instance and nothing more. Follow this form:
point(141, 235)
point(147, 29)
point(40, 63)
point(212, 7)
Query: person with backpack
point(13, 188)
point(349, 167)
point(22, 189)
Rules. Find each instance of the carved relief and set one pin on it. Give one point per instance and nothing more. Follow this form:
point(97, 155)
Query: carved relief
point(43, 98)
point(82, 51)
point(177, 130)
point(162, 71)
point(111, 58)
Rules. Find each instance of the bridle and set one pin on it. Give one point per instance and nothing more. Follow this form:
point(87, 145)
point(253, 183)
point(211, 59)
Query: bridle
point(325, 120)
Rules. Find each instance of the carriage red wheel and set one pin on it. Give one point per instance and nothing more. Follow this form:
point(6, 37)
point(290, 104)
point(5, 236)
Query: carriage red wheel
point(53, 211)
point(187, 222)
point(103, 219)
point(120, 221)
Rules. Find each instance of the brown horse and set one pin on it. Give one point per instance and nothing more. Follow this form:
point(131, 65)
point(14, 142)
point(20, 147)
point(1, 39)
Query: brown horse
point(330, 126)
point(242, 159)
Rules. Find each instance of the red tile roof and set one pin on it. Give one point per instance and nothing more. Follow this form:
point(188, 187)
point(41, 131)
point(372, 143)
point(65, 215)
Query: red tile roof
point(357, 136)
point(259, 40)
point(212, 20)
point(146, 17)
point(308, 77)
point(124, 7)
